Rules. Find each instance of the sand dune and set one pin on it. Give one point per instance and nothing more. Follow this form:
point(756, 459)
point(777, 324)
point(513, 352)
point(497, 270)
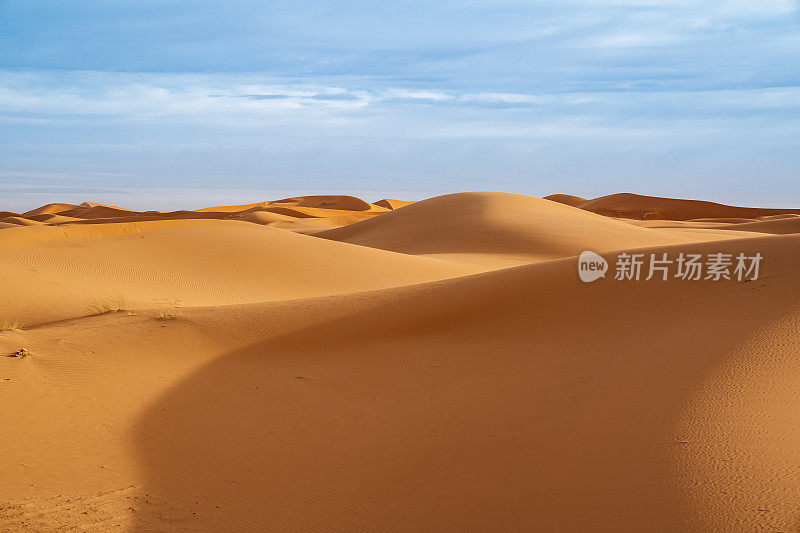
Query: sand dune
point(627, 205)
point(497, 228)
point(390, 203)
point(216, 263)
point(20, 221)
point(567, 199)
point(484, 410)
point(777, 226)
point(346, 203)
point(330, 211)
point(376, 380)
point(780, 217)
point(50, 209)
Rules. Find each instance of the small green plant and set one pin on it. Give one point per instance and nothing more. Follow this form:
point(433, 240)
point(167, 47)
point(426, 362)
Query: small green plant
point(109, 306)
point(169, 307)
point(7, 324)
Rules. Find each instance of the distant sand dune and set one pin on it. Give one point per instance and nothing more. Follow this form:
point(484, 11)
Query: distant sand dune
point(50, 209)
point(628, 205)
point(567, 199)
point(392, 204)
point(347, 203)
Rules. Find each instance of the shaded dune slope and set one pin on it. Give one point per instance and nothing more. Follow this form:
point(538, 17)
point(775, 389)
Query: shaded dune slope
point(500, 401)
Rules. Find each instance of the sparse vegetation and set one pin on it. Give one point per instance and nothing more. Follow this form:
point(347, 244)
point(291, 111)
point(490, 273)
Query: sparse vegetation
point(169, 308)
point(7, 324)
point(112, 305)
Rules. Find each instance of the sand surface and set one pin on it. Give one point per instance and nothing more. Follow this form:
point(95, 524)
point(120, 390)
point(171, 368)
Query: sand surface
point(328, 364)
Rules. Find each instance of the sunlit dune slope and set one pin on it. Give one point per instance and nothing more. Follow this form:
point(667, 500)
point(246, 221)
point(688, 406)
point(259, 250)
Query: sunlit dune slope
point(511, 400)
point(52, 273)
point(496, 224)
point(50, 209)
point(19, 220)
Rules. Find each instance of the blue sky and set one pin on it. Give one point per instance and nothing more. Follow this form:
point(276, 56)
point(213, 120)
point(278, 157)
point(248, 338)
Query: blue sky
point(179, 103)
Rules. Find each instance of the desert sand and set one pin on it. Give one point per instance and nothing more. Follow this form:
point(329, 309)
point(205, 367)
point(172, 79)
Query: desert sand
point(327, 364)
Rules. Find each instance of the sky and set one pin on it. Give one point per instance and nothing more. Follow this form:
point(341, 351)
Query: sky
point(184, 104)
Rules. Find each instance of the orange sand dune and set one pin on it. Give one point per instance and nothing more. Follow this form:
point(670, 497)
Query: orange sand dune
point(50, 209)
point(21, 221)
point(346, 203)
point(519, 399)
point(52, 218)
point(393, 375)
point(723, 220)
point(300, 222)
point(776, 226)
point(91, 210)
point(264, 216)
point(779, 217)
point(331, 211)
point(479, 227)
point(233, 208)
point(628, 205)
point(567, 199)
point(194, 261)
point(390, 203)
point(314, 212)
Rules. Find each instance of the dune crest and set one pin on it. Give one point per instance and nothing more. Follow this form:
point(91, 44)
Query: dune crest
point(390, 203)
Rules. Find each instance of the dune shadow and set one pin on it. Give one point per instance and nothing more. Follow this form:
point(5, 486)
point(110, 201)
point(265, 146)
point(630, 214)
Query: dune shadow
point(477, 409)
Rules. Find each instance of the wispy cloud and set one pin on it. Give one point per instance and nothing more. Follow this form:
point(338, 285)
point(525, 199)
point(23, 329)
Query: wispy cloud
point(437, 95)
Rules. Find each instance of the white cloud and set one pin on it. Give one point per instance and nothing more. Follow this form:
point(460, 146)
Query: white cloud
point(410, 94)
point(505, 98)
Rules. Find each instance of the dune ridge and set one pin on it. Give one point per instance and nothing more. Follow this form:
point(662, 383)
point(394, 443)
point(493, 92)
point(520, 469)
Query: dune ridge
point(331, 210)
point(637, 206)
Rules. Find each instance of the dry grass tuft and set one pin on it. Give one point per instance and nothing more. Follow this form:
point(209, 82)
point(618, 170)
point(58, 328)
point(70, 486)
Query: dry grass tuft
point(109, 306)
point(7, 324)
point(169, 308)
